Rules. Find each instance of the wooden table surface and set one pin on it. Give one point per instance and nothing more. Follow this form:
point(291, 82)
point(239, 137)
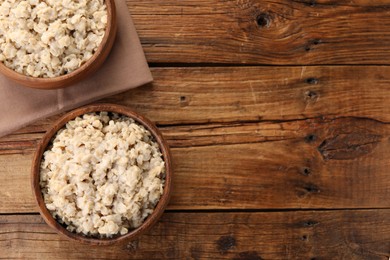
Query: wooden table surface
point(277, 114)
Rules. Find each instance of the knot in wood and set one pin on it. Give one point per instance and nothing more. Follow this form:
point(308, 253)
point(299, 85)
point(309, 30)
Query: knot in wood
point(263, 20)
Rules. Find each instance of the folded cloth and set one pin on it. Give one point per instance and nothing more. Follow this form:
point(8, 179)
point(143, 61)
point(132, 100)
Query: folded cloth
point(125, 68)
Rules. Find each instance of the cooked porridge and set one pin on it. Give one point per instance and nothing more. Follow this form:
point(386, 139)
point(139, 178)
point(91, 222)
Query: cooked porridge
point(103, 175)
point(50, 38)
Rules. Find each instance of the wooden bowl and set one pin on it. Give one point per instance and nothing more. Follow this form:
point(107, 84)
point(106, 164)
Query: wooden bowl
point(35, 174)
point(93, 64)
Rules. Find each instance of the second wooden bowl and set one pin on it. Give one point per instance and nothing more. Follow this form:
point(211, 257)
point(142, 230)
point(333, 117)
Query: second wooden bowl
point(42, 146)
point(93, 64)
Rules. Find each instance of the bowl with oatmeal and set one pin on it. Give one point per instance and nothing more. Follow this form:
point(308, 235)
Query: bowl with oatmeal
point(52, 44)
point(102, 174)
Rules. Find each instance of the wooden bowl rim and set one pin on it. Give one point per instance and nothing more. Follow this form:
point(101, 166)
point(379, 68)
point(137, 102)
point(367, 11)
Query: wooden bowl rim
point(107, 34)
point(60, 123)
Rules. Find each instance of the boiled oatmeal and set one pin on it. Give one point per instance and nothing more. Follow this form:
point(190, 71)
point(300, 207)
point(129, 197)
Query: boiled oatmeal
point(50, 38)
point(103, 175)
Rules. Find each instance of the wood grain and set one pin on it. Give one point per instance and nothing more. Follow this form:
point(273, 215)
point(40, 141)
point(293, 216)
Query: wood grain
point(264, 31)
point(362, 234)
point(231, 94)
point(242, 139)
point(283, 139)
point(314, 163)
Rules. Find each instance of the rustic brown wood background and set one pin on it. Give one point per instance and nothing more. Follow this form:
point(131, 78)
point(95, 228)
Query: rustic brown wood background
point(278, 116)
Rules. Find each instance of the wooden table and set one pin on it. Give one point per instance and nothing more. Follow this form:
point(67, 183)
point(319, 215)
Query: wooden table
point(277, 113)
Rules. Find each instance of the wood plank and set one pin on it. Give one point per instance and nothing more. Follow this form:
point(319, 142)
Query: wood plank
point(314, 163)
point(264, 31)
point(244, 236)
point(231, 94)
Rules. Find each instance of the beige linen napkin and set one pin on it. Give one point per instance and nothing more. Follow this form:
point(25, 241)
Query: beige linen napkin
point(124, 69)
